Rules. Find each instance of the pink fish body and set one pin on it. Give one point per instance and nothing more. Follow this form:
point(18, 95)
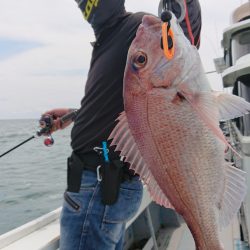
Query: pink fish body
point(170, 135)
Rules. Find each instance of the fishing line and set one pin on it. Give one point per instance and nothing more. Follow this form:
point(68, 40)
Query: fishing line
point(211, 72)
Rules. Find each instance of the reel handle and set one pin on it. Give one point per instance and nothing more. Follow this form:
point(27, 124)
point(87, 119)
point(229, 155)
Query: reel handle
point(46, 123)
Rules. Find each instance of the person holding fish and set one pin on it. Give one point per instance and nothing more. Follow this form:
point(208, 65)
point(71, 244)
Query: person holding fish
point(103, 193)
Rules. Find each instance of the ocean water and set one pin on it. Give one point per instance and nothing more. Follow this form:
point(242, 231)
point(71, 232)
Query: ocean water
point(33, 176)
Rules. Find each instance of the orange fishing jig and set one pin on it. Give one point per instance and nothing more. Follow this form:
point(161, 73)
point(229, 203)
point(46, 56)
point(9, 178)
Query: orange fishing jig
point(167, 34)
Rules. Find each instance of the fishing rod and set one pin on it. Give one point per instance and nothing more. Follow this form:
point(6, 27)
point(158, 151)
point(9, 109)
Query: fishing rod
point(46, 123)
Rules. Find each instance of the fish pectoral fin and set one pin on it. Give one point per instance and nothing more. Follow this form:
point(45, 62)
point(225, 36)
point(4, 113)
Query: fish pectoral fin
point(231, 197)
point(204, 105)
point(124, 142)
point(230, 106)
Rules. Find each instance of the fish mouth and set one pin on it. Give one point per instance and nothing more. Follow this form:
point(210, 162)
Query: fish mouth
point(150, 22)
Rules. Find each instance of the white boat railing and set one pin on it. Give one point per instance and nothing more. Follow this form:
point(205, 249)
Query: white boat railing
point(43, 233)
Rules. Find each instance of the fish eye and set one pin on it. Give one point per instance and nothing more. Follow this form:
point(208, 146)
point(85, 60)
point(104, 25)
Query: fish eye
point(140, 60)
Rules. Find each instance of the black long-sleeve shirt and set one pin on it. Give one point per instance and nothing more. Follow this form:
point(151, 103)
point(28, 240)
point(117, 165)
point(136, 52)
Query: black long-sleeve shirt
point(114, 29)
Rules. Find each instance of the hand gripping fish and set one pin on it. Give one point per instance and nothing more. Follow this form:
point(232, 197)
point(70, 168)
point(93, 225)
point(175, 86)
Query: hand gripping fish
point(170, 135)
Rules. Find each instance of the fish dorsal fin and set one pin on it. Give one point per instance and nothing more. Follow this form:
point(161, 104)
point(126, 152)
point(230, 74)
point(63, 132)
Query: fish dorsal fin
point(229, 201)
point(230, 106)
point(124, 142)
point(204, 104)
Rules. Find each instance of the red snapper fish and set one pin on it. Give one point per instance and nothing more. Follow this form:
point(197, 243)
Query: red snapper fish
point(170, 135)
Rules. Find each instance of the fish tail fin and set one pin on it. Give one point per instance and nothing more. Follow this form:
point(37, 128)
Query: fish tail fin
point(232, 195)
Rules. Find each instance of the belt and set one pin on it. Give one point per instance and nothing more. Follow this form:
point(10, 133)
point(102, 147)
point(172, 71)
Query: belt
point(92, 160)
point(110, 173)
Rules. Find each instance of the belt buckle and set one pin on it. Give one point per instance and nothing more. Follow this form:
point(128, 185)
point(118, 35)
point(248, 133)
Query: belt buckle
point(98, 174)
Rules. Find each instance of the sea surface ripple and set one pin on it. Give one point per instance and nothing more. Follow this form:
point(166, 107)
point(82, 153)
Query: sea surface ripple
point(33, 176)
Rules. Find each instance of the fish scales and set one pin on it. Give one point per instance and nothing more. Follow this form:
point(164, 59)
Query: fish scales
point(191, 166)
point(170, 135)
point(193, 158)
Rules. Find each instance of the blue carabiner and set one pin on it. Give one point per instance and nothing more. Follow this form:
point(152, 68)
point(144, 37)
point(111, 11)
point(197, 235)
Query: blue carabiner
point(105, 151)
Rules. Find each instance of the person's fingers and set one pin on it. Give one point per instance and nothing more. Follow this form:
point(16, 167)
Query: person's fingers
point(56, 115)
point(57, 124)
point(56, 112)
point(49, 112)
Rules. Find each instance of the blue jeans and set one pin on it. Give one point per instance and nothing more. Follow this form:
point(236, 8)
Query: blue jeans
point(88, 224)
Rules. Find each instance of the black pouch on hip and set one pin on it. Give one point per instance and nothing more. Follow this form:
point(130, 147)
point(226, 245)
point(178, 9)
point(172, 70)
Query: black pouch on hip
point(111, 180)
point(74, 173)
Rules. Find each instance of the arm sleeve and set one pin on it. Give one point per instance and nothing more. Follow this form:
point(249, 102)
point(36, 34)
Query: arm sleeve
point(191, 24)
point(101, 12)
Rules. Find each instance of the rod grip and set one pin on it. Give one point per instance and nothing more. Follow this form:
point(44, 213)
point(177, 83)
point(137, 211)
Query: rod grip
point(70, 116)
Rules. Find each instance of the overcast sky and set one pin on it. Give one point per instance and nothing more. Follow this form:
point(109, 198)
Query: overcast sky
point(45, 51)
